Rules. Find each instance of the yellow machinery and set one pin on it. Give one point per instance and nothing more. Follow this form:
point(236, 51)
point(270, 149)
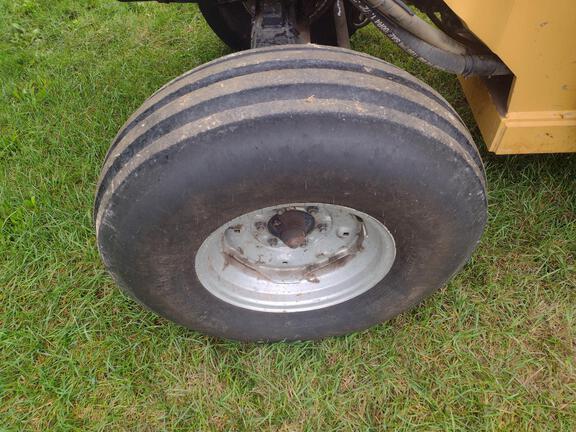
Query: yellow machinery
point(534, 112)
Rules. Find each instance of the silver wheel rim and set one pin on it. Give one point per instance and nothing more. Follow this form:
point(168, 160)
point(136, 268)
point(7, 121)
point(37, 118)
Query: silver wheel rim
point(346, 254)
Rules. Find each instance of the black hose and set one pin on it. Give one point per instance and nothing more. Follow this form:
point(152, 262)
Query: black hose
point(467, 64)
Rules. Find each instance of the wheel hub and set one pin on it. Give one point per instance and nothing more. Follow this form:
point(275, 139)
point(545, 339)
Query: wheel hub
point(295, 257)
point(292, 227)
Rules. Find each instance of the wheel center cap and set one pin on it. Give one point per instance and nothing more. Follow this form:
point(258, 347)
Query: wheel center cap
point(292, 227)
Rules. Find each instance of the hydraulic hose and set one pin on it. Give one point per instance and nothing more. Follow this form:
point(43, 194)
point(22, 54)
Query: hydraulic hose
point(408, 20)
point(461, 64)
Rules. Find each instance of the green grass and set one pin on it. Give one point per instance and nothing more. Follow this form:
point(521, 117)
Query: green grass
point(494, 350)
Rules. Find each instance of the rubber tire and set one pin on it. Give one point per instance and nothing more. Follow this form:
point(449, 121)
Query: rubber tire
point(279, 125)
point(233, 24)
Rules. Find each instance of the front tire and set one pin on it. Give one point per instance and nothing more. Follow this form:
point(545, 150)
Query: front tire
point(279, 129)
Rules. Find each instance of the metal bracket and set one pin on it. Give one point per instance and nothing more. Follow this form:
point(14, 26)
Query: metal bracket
point(276, 23)
point(341, 24)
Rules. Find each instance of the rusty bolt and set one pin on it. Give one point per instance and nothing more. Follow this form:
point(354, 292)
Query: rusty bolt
point(322, 227)
point(273, 241)
point(260, 225)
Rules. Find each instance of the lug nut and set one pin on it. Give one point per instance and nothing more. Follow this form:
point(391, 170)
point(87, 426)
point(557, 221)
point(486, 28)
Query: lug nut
point(273, 241)
point(312, 210)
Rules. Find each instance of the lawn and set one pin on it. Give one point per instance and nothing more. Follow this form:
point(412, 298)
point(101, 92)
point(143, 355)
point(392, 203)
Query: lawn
point(493, 350)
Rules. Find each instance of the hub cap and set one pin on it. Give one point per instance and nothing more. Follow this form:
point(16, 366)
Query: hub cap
point(295, 257)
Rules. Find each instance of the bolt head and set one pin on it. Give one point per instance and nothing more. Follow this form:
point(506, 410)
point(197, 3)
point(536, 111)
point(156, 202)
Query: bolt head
point(312, 210)
point(344, 232)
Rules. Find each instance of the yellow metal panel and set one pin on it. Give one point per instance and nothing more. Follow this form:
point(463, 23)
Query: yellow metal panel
point(520, 132)
point(537, 139)
point(537, 40)
point(488, 119)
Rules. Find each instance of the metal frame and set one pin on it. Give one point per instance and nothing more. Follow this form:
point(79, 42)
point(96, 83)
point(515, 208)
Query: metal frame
point(280, 22)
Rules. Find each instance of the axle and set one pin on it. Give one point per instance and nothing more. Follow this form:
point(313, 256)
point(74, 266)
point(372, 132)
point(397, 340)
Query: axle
point(285, 22)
